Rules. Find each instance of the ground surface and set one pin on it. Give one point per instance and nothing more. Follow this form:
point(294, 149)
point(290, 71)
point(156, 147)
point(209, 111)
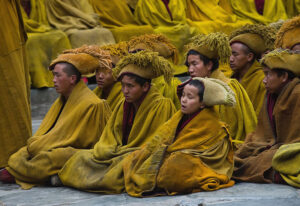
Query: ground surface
point(245, 194)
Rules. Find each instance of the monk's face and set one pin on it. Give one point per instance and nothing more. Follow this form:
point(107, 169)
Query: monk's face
point(63, 82)
point(197, 68)
point(190, 100)
point(274, 82)
point(132, 90)
point(104, 78)
point(239, 58)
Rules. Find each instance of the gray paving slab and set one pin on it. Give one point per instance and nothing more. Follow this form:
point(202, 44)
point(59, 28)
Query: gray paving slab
point(246, 194)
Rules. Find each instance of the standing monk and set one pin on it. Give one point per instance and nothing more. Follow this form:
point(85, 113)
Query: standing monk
point(15, 121)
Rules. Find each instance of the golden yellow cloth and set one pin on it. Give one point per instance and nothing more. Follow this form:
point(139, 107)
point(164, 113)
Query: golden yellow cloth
point(117, 16)
point(168, 90)
point(43, 44)
point(274, 10)
point(292, 8)
point(286, 161)
point(15, 121)
point(100, 169)
point(114, 97)
point(199, 158)
point(65, 129)
point(78, 20)
point(252, 81)
point(208, 16)
point(154, 13)
point(240, 118)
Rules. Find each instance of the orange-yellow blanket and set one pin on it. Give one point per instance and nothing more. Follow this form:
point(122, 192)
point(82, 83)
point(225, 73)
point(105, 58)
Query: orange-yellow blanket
point(200, 158)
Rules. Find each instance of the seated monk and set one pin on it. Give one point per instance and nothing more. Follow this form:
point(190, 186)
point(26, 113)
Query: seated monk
point(108, 87)
point(75, 121)
point(132, 124)
point(159, 43)
point(191, 152)
point(204, 56)
point(248, 44)
point(278, 122)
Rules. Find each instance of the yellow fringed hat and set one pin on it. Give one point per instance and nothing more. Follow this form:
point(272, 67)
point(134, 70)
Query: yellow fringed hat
point(120, 49)
point(85, 59)
point(289, 34)
point(148, 65)
point(283, 59)
point(214, 46)
point(257, 37)
point(216, 92)
point(156, 43)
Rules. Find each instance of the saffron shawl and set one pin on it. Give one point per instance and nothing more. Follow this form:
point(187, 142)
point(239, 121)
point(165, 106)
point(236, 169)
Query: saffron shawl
point(119, 19)
point(240, 118)
point(78, 20)
point(78, 126)
point(253, 159)
point(200, 158)
point(100, 169)
point(252, 81)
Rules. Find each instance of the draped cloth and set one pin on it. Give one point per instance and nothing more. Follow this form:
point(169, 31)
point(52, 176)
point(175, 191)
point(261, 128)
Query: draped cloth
point(292, 8)
point(286, 162)
point(155, 13)
point(208, 17)
point(253, 159)
point(240, 118)
point(78, 20)
point(168, 90)
point(273, 11)
point(118, 18)
point(43, 44)
point(15, 121)
point(66, 128)
point(252, 81)
point(114, 97)
point(199, 158)
point(100, 169)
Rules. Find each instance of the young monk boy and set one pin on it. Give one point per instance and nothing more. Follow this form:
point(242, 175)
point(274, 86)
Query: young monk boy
point(191, 152)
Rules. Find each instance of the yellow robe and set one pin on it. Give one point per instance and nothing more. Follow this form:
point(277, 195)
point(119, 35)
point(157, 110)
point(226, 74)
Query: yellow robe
point(274, 10)
point(43, 44)
point(240, 118)
point(100, 169)
point(154, 13)
point(292, 8)
point(208, 16)
point(286, 161)
point(118, 18)
point(200, 158)
point(79, 21)
point(168, 90)
point(79, 123)
point(114, 97)
point(15, 121)
point(252, 81)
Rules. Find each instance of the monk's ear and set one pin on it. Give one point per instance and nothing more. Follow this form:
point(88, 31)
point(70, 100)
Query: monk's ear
point(250, 57)
point(210, 65)
point(285, 77)
point(202, 105)
point(146, 86)
point(73, 79)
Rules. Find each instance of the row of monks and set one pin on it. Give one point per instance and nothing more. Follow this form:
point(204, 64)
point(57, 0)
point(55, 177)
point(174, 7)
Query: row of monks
point(235, 119)
point(53, 25)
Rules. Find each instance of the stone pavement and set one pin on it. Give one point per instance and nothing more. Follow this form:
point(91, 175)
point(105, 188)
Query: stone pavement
point(245, 194)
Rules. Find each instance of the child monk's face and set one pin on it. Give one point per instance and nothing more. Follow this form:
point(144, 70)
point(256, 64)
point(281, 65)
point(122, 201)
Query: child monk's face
point(190, 100)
